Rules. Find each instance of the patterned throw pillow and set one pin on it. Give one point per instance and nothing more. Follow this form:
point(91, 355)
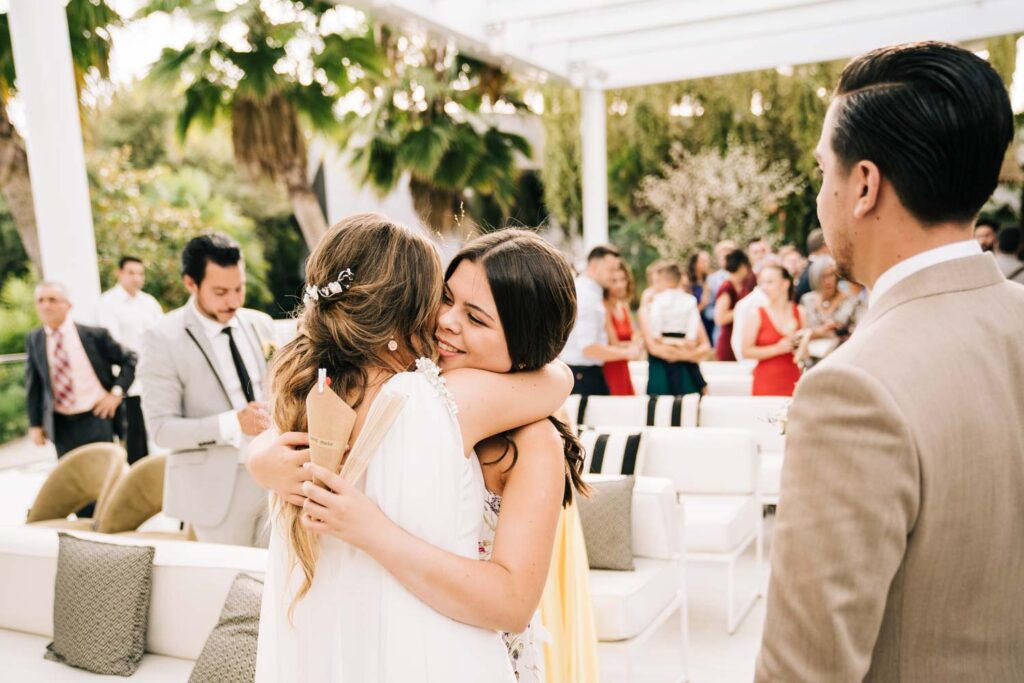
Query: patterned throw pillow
point(607, 520)
point(101, 605)
point(229, 655)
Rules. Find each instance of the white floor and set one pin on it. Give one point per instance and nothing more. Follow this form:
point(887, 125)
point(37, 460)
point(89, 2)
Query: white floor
point(715, 656)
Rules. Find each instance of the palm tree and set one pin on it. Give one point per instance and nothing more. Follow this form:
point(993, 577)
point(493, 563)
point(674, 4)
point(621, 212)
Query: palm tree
point(240, 69)
point(422, 115)
point(88, 23)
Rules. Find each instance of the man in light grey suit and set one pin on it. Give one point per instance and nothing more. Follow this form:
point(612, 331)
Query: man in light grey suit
point(897, 554)
point(203, 371)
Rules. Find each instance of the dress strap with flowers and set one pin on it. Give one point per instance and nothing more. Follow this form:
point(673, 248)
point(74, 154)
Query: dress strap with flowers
point(525, 650)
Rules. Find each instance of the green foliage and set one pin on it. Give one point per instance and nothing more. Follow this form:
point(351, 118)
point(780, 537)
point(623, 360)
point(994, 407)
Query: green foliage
point(17, 313)
point(152, 213)
point(13, 261)
point(560, 170)
point(422, 116)
point(13, 415)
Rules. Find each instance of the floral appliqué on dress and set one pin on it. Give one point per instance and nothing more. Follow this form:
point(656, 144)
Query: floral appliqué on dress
point(524, 649)
point(433, 374)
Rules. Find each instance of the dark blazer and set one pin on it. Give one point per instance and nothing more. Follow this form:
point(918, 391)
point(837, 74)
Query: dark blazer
point(104, 353)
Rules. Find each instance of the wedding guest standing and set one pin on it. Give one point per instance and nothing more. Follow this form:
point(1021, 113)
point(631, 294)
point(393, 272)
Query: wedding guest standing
point(620, 330)
point(1008, 245)
point(71, 390)
point(897, 553)
point(127, 312)
point(698, 267)
point(588, 347)
point(203, 367)
point(831, 313)
point(674, 335)
point(735, 287)
point(770, 335)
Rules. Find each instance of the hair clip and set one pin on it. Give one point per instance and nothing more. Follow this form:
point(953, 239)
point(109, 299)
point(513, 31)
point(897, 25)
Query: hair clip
point(336, 286)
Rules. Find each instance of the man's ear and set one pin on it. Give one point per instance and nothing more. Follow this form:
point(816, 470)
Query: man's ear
point(190, 284)
point(869, 180)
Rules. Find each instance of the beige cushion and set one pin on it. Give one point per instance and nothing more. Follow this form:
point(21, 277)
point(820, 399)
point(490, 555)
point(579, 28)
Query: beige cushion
point(607, 524)
point(84, 475)
point(21, 661)
point(625, 603)
point(101, 605)
point(718, 524)
point(230, 652)
point(136, 497)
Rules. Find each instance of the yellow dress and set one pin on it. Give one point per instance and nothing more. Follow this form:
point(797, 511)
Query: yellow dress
point(571, 654)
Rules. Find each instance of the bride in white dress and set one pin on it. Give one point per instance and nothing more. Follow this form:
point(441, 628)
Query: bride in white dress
point(356, 622)
point(501, 290)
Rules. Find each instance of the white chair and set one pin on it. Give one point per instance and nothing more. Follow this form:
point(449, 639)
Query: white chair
point(717, 368)
point(630, 606)
point(633, 411)
point(715, 472)
point(759, 415)
point(730, 385)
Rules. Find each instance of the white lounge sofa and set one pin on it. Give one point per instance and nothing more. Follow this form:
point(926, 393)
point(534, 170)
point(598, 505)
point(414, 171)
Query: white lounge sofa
point(190, 584)
point(629, 606)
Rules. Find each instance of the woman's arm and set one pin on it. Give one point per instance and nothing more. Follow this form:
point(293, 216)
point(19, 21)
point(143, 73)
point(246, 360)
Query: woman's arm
point(491, 403)
point(501, 594)
point(723, 310)
point(669, 352)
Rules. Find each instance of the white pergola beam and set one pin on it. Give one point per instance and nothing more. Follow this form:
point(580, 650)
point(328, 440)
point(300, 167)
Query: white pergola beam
point(618, 20)
point(805, 46)
point(532, 10)
point(796, 17)
point(56, 159)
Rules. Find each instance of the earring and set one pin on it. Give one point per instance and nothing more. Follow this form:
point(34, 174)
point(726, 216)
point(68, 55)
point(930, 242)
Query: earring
point(521, 366)
point(392, 346)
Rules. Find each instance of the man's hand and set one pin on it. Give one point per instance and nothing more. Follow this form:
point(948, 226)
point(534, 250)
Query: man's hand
point(37, 435)
point(254, 418)
point(279, 466)
point(106, 407)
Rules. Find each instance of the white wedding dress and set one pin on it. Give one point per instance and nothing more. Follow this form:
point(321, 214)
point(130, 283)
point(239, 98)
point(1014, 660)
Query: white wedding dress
point(357, 624)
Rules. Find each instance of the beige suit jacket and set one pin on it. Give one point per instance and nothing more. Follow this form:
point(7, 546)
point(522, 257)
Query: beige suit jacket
point(898, 552)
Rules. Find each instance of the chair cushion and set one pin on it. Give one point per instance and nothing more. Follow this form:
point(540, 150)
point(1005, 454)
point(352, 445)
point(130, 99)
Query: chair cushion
point(626, 602)
point(718, 524)
point(230, 652)
point(616, 450)
point(771, 473)
point(607, 524)
point(22, 661)
point(101, 605)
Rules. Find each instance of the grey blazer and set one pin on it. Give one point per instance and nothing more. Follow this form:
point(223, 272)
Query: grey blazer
point(184, 396)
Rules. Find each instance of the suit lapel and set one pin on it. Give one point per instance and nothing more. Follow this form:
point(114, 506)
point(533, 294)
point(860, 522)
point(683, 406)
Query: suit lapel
point(195, 330)
point(252, 337)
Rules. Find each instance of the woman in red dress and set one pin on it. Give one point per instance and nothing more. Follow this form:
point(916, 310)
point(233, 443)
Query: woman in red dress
point(770, 335)
point(735, 287)
point(620, 330)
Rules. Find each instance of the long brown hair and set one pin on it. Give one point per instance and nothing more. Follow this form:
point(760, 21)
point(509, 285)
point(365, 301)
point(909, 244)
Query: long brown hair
point(394, 295)
point(535, 295)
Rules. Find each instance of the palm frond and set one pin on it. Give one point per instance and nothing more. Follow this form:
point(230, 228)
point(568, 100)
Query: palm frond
point(168, 66)
point(421, 149)
point(204, 101)
point(315, 105)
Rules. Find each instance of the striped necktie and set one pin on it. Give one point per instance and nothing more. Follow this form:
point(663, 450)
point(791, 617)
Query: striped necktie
point(63, 386)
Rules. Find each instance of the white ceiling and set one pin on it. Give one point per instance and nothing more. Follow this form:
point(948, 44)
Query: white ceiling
point(623, 43)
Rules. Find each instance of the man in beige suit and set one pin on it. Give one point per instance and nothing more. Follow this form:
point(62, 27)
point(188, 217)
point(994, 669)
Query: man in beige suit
point(899, 545)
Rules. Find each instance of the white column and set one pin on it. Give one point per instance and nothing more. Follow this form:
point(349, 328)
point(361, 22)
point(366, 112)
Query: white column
point(595, 167)
point(56, 159)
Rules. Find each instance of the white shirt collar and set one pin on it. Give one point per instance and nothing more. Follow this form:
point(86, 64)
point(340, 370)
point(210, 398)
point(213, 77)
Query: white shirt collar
point(65, 327)
point(904, 269)
point(212, 328)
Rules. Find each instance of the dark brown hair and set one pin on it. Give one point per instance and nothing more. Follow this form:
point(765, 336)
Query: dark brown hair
point(535, 294)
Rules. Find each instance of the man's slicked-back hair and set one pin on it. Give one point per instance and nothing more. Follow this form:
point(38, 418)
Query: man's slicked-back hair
point(600, 251)
point(934, 118)
point(214, 247)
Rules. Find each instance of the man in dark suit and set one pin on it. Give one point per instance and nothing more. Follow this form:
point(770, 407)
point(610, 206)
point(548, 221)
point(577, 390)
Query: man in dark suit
point(71, 391)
